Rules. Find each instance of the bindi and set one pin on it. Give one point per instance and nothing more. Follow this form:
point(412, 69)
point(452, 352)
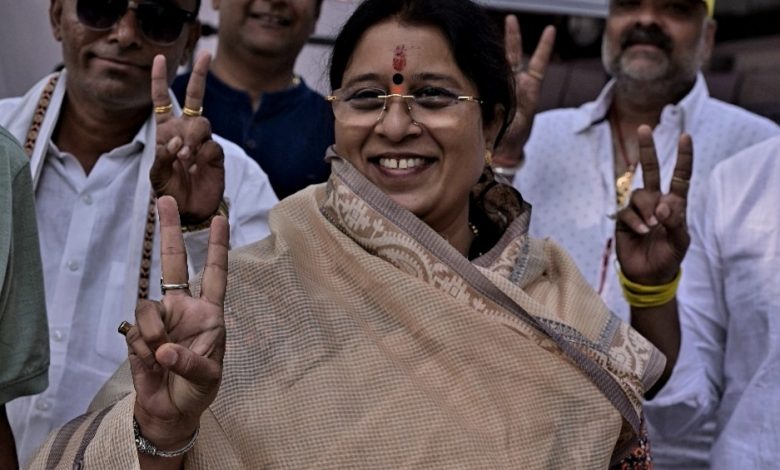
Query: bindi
point(398, 79)
point(399, 58)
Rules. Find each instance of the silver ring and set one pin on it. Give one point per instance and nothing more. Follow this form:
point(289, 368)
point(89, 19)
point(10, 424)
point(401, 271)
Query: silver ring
point(166, 287)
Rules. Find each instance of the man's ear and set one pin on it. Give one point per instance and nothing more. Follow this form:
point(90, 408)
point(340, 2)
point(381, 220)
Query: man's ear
point(192, 40)
point(711, 27)
point(55, 18)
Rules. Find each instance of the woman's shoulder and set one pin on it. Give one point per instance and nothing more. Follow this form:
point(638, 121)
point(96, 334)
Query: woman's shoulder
point(573, 309)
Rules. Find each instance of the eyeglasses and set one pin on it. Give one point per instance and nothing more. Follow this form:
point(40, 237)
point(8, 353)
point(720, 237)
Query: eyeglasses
point(160, 22)
point(364, 107)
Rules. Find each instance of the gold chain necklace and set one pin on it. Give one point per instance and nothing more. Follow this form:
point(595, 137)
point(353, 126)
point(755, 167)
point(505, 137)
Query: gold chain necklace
point(623, 182)
point(29, 146)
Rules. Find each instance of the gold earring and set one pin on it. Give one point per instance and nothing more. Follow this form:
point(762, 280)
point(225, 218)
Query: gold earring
point(488, 157)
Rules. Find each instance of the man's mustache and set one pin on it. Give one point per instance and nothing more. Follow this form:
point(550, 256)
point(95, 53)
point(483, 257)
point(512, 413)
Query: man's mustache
point(651, 35)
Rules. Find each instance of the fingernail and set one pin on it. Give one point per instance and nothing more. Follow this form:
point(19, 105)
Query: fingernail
point(168, 357)
point(643, 229)
point(184, 153)
point(663, 211)
point(174, 144)
point(653, 221)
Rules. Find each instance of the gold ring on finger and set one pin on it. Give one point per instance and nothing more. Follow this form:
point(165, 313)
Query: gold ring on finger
point(681, 181)
point(163, 109)
point(187, 111)
point(124, 328)
point(535, 74)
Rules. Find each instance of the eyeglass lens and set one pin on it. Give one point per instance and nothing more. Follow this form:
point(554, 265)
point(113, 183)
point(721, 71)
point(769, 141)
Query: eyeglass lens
point(370, 110)
point(159, 22)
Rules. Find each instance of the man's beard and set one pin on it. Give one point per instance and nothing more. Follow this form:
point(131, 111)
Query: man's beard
point(619, 63)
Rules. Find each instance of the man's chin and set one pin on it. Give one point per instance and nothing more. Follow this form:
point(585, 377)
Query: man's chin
point(643, 69)
point(115, 94)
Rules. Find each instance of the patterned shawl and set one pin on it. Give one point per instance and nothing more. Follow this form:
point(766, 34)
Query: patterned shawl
point(357, 337)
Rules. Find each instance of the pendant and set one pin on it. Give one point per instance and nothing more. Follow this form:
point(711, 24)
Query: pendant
point(623, 188)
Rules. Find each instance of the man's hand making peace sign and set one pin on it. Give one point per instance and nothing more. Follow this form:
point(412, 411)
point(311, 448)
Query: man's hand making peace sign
point(188, 164)
point(651, 241)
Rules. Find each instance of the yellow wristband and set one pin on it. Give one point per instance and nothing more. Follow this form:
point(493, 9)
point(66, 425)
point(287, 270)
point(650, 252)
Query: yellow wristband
point(639, 295)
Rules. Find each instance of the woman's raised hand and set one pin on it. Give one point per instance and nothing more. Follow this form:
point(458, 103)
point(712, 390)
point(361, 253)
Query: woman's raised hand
point(177, 345)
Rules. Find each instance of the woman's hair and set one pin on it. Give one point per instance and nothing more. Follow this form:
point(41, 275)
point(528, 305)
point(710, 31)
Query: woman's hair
point(476, 44)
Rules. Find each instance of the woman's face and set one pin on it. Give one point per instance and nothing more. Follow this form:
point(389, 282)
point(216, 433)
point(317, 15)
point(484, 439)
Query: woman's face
point(426, 160)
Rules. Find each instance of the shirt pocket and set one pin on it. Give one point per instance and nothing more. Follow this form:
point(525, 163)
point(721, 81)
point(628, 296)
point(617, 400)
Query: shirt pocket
point(110, 345)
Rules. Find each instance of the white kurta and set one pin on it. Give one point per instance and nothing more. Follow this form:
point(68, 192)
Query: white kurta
point(91, 231)
point(569, 179)
point(730, 313)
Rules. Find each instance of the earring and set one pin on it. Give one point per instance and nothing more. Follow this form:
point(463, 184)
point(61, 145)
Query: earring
point(488, 157)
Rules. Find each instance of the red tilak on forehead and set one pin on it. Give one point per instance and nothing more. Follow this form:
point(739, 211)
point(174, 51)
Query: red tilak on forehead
point(399, 58)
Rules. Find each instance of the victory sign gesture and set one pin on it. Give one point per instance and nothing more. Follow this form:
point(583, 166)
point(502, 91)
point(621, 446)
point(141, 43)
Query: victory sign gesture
point(651, 241)
point(177, 345)
point(528, 85)
point(189, 165)
point(651, 232)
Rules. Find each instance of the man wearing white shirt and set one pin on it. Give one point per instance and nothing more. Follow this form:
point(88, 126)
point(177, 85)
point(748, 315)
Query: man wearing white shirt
point(97, 161)
point(729, 303)
point(581, 164)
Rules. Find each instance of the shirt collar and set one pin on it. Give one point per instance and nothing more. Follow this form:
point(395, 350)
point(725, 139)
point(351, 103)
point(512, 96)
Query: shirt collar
point(274, 99)
point(595, 112)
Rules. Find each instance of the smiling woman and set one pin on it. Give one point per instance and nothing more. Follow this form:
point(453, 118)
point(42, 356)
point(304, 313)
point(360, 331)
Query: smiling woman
point(399, 315)
point(423, 123)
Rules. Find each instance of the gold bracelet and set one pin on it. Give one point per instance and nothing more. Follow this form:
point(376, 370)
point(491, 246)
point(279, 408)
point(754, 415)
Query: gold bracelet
point(639, 295)
point(222, 209)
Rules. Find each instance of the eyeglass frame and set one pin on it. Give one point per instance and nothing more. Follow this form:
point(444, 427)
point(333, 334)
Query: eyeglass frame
point(186, 16)
point(332, 98)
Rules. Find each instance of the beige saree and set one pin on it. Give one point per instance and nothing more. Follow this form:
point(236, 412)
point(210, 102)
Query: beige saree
point(358, 338)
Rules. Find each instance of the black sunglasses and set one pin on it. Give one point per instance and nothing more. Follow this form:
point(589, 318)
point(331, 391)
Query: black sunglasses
point(160, 22)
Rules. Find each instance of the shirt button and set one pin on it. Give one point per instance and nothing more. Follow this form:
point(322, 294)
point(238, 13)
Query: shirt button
point(87, 199)
point(251, 144)
point(58, 335)
point(43, 405)
point(73, 265)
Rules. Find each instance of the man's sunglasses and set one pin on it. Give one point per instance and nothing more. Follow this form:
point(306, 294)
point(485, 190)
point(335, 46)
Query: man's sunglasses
point(160, 22)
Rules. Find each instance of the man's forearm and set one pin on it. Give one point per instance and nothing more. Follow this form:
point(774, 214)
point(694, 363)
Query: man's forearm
point(661, 326)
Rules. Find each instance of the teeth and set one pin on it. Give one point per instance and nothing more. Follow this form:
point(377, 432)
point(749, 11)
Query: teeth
point(273, 19)
point(401, 163)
